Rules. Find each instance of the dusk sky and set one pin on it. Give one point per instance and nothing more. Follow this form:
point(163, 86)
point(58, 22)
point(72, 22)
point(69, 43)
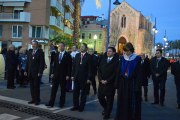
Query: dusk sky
point(167, 13)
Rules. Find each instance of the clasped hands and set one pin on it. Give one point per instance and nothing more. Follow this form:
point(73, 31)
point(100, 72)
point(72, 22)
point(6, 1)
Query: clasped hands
point(104, 82)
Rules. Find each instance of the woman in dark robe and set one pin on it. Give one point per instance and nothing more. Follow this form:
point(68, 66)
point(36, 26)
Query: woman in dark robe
point(128, 83)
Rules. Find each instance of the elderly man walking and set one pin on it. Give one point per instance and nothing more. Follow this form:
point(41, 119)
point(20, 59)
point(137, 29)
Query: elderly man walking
point(12, 62)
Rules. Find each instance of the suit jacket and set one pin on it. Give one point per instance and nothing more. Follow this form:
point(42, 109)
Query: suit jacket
point(161, 69)
point(11, 60)
point(36, 65)
point(175, 70)
point(86, 67)
point(107, 71)
point(64, 68)
point(145, 71)
point(95, 64)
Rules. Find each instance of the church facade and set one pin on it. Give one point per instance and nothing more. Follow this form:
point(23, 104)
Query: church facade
point(129, 25)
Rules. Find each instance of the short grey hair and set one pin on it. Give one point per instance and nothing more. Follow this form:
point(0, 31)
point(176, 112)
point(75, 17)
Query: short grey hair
point(62, 43)
point(91, 49)
point(21, 50)
point(11, 45)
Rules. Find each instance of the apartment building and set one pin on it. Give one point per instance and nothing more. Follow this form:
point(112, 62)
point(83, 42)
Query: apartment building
point(23, 21)
point(92, 28)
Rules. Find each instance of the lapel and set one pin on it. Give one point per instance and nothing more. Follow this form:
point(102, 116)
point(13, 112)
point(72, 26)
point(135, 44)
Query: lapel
point(37, 53)
point(84, 57)
point(63, 58)
point(111, 61)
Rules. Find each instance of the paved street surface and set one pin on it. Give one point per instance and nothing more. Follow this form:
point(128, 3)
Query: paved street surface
point(20, 96)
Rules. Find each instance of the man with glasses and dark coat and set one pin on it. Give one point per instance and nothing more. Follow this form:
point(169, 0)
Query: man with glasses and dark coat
point(159, 66)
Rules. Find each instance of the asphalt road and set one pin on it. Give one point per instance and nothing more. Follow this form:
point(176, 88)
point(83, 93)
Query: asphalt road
point(20, 96)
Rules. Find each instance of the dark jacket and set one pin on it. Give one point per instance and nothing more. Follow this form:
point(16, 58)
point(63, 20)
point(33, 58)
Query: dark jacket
point(175, 70)
point(52, 57)
point(95, 64)
point(11, 60)
point(145, 71)
point(160, 68)
point(64, 68)
point(22, 61)
point(36, 65)
point(116, 56)
point(107, 71)
point(86, 67)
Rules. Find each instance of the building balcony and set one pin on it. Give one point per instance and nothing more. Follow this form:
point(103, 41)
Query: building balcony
point(59, 7)
point(68, 17)
point(15, 17)
point(15, 0)
point(69, 5)
point(67, 30)
point(55, 23)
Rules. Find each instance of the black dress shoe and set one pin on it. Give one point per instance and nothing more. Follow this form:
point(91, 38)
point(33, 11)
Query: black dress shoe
point(49, 105)
point(103, 113)
point(81, 110)
point(178, 106)
point(106, 117)
point(41, 83)
point(162, 104)
point(61, 106)
point(155, 103)
point(73, 109)
point(31, 102)
point(37, 103)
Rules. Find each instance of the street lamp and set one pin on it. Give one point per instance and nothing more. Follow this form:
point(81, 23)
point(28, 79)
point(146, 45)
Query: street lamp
point(165, 39)
point(155, 30)
point(80, 40)
point(95, 37)
point(109, 9)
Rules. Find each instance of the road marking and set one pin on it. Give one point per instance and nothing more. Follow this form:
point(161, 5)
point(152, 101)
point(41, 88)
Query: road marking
point(6, 116)
point(23, 102)
point(73, 106)
point(32, 118)
point(150, 83)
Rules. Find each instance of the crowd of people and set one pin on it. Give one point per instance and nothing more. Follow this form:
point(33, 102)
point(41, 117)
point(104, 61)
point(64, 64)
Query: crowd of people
point(75, 71)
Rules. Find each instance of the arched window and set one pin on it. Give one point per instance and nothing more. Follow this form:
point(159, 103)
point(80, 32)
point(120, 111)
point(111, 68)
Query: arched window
point(123, 21)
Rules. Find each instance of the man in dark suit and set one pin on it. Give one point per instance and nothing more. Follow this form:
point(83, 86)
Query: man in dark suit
point(34, 69)
point(61, 73)
point(116, 55)
point(107, 75)
point(145, 74)
point(11, 62)
point(94, 68)
point(159, 66)
point(81, 75)
point(175, 70)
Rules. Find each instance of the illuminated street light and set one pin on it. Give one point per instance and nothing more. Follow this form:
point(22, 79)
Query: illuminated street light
point(80, 40)
point(95, 37)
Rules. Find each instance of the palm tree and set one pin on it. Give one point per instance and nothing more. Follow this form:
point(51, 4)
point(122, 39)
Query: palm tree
point(77, 12)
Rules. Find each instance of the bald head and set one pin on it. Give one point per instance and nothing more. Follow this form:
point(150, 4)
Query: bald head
point(142, 56)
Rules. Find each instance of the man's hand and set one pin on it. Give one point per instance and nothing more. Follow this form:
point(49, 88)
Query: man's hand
point(88, 81)
point(52, 75)
point(67, 77)
point(25, 73)
point(72, 78)
point(157, 75)
point(18, 67)
point(39, 75)
point(103, 82)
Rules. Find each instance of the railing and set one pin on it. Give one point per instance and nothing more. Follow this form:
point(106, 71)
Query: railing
point(9, 15)
point(58, 5)
point(67, 30)
point(56, 22)
point(69, 17)
point(68, 3)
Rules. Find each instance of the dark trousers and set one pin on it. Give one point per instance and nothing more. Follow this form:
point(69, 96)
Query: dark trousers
point(159, 84)
point(21, 77)
point(56, 83)
point(145, 91)
point(178, 92)
point(35, 88)
point(76, 92)
point(106, 103)
point(93, 84)
point(11, 75)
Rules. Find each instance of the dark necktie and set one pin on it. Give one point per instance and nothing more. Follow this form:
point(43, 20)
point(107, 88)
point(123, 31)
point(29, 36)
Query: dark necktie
point(60, 57)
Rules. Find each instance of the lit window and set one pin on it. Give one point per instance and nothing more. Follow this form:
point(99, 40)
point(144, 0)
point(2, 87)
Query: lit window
point(100, 35)
point(83, 35)
point(89, 36)
point(100, 43)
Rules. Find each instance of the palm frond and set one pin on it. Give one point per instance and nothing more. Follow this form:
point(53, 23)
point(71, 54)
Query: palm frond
point(98, 3)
